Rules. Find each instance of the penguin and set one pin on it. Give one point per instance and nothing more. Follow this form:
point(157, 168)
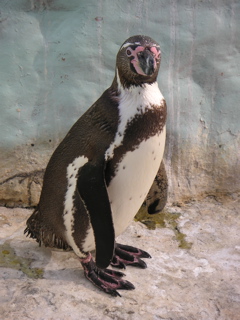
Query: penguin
point(101, 173)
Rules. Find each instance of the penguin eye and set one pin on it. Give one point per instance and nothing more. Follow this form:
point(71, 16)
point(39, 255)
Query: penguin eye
point(128, 52)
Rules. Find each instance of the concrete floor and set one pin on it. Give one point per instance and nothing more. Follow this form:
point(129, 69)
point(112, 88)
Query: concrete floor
point(199, 280)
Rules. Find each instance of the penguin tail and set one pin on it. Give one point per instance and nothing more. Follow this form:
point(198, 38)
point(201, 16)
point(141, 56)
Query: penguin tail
point(33, 229)
point(36, 230)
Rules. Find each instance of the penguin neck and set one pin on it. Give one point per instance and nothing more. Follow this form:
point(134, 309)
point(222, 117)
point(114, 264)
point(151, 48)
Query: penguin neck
point(148, 94)
point(121, 79)
point(119, 89)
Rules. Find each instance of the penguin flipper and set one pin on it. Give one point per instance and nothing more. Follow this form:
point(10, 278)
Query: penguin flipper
point(158, 193)
point(93, 191)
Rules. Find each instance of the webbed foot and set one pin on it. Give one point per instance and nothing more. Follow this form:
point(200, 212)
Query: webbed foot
point(127, 255)
point(107, 280)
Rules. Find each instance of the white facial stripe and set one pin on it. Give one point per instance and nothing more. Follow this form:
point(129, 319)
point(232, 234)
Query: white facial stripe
point(138, 43)
point(133, 101)
point(130, 44)
point(155, 45)
point(68, 215)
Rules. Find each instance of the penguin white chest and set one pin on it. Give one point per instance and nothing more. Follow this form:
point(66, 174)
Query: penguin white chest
point(133, 179)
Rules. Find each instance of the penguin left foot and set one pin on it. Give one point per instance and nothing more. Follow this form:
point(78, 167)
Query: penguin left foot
point(106, 280)
point(127, 255)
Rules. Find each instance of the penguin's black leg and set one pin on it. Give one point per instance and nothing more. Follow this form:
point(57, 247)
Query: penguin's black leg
point(105, 279)
point(127, 255)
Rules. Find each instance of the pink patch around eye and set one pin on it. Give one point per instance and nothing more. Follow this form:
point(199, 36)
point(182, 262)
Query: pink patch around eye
point(155, 51)
point(138, 49)
point(130, 52)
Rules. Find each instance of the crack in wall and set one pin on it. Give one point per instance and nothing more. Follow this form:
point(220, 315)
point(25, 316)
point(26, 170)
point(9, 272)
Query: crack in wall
point(19, 189)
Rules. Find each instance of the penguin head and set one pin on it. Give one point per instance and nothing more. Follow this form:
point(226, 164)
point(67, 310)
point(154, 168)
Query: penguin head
point(138, 61)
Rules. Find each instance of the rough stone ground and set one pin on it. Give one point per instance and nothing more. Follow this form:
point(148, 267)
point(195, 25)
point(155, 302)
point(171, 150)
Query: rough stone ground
point(200, 283)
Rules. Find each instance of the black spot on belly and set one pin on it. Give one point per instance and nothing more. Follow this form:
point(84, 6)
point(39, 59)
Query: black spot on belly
point(124, 167)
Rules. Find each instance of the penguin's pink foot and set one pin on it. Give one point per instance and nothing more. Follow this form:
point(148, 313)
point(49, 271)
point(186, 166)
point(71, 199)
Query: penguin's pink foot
point(127, 255)
point(106, 280)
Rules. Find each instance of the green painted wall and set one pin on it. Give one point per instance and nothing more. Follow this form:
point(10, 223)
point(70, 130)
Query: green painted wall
point(58, 56)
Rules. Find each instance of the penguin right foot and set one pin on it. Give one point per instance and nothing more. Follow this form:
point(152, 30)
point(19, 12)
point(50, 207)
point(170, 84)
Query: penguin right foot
point(127, 255)
point(106, 280)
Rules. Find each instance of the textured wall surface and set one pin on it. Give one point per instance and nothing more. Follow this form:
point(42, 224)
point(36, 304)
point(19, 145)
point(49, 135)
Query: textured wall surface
point(58, 56)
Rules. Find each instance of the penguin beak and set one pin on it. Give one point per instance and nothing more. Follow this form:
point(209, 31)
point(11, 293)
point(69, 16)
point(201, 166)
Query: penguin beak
point(147, 62)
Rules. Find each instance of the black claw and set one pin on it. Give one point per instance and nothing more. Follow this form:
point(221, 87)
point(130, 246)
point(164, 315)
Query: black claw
point(127, 286)
point(107, 280)
point(140, 264)
point(113, 293)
